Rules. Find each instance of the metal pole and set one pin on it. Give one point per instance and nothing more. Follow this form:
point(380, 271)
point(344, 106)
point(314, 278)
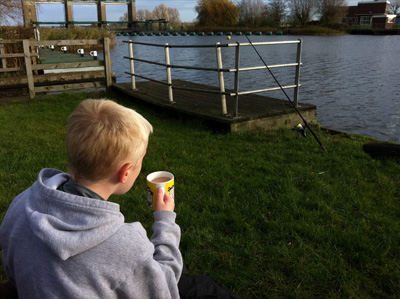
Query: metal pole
point(169, 78)
point(133, 78)
point(237, 65)
point(221, 79)
point(297, 79)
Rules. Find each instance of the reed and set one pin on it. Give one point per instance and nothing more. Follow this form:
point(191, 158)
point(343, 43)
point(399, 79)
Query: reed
point(47, 33)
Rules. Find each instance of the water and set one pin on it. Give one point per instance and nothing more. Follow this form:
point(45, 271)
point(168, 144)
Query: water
point(353, 80)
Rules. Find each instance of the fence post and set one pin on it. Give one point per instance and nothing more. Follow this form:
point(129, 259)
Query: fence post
point(133, 78)
point(169, 78)
point(221, 79)
point(28, 68)
point(107, 62)
point(3, 61)
point(237, 66)
point(297, 78)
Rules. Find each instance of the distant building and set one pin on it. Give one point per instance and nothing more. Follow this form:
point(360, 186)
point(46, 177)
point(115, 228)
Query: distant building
point(371, 13)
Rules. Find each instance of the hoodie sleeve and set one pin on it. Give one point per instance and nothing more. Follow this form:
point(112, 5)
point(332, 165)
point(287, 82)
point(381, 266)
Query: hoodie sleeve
point(166, 237)
point(158, 276)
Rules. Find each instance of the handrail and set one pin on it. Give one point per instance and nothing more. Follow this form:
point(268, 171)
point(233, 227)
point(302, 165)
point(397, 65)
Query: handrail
point(220, 69)
point(213, 46)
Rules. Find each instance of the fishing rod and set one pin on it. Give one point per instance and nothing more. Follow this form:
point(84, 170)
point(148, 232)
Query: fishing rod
point(306, 125)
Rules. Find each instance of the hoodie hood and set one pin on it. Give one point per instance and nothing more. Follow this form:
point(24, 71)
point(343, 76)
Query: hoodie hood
point(65, 223)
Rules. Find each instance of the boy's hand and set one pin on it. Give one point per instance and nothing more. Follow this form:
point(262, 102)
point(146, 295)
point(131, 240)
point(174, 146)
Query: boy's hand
point(165, 203)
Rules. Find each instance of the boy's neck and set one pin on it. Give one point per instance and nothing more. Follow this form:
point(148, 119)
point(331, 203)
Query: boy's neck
point(102, 187)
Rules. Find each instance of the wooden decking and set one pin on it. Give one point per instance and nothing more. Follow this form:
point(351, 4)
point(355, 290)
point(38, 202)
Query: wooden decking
point(256, 113)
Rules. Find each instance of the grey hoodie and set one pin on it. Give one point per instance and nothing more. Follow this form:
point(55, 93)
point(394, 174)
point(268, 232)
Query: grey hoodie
point(58, 245)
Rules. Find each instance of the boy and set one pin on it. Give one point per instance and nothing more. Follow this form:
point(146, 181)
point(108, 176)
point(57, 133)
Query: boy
point(61, 238)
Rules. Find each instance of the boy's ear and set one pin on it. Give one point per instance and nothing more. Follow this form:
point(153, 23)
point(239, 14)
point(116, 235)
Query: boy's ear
point(123, 173)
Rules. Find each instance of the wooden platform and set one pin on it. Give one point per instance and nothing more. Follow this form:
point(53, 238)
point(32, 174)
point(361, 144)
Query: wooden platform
point(256, 113)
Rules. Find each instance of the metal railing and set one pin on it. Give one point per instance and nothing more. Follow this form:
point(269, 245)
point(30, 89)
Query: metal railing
point(220, 69)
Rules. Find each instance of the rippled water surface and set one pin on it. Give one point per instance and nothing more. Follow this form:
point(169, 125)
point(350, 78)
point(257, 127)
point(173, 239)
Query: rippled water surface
point(353, 80)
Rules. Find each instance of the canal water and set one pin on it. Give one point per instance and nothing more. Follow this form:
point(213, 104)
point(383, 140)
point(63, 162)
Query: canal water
point(353, 80)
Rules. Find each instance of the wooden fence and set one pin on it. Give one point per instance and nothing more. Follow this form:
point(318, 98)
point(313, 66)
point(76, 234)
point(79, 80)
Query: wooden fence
point(37, 82)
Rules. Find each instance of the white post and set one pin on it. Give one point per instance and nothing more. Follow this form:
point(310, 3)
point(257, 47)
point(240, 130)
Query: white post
point(133, 77)
point(237, 66)
point(169, 78)
point(221, 79)
point(297, 79)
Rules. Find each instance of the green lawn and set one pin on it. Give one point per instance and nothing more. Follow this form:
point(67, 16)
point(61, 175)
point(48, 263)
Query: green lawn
point(266, 215)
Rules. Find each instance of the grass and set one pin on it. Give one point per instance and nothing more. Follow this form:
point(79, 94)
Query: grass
point(267, 215)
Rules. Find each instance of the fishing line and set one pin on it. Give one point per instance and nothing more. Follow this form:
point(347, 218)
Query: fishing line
point(277, 81)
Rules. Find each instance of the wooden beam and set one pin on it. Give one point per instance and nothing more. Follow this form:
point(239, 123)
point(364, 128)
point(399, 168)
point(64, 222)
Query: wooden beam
point(16, 55)
point(28, 67)
point(51, 66)
point(77, 42)
point(107, 62)
point(62, 87)
point(10, 69)
point(54, 78)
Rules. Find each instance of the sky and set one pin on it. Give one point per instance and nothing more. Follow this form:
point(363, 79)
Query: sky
point(83, 12)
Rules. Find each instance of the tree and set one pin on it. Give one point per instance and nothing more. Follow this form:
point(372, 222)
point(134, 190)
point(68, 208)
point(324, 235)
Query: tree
point(174, 18)
point(276, 10)
point(394, 7)
point(252, 12)
point(141, 15)
point(302, 11)
point(170, 14)
point(217, 13)
point(144, 14)
point(332, 11)
point(160, 12)
point(10, 11)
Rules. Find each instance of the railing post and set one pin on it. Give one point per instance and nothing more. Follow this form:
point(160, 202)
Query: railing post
point(221, 79)
point(297, 78)
point(133, 78)
point(237, 65)
point(169, 78)
point(28, 68)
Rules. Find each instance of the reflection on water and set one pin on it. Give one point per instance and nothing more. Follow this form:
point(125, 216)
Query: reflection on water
point(353, 80)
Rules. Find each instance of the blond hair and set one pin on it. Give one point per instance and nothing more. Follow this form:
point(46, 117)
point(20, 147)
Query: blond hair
point(103, 135)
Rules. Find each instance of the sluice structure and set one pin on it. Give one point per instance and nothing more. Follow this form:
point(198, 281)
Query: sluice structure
point(30, 16)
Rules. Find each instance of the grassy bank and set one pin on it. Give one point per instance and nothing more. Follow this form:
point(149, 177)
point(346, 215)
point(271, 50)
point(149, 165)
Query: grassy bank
point(265, 215)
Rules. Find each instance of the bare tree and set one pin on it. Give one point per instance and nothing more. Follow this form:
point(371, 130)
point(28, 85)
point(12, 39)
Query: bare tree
point(174, 18)
point(161, 12)
point(252, 12)
point(332, 11)
point(277, 11)
point(10, 11)
point(302, 11)
point(141, 15)
point(394, 7)
point(170, 14)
